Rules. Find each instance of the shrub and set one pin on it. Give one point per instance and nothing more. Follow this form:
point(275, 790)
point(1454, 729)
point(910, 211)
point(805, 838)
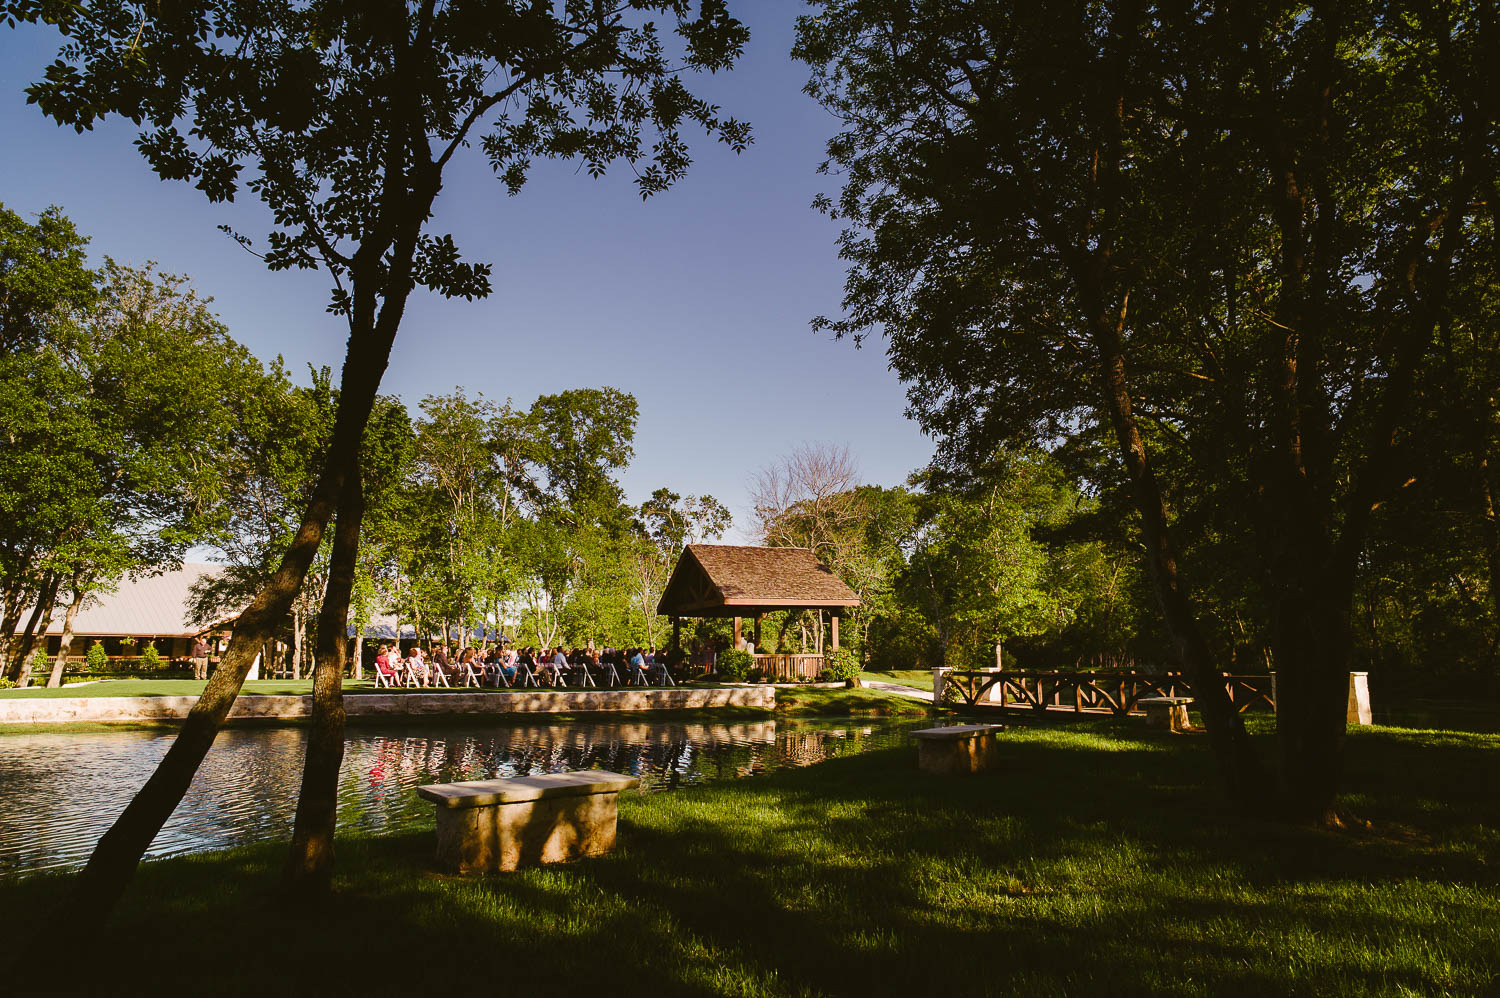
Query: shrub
point(95, 659)
point(755, 675)
point(843, 665)
point(735, 664)
point(7, 684)
point(150, 657)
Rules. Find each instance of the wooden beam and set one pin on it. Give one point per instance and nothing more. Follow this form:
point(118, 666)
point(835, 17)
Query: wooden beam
point(737, 639)
point(758, 618)
point(835, 634)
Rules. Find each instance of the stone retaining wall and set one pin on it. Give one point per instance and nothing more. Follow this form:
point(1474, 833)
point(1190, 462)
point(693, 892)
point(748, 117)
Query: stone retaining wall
point(62, 710)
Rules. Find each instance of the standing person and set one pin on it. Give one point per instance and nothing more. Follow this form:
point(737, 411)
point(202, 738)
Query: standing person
point(200, 658)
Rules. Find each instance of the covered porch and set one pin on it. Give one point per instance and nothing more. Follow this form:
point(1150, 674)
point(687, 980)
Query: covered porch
point(744, 584)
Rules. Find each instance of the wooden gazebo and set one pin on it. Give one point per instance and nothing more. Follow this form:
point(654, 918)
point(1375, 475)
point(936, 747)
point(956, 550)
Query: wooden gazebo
point(726, 580)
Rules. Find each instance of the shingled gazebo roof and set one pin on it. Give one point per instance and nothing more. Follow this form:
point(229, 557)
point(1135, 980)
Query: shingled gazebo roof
point(727, 580)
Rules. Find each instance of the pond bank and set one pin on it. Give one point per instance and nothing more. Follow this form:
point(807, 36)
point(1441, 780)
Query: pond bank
point(451, 703)
point(1096, 850)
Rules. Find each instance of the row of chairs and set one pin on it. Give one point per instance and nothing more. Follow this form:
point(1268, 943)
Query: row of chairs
point(480, 675)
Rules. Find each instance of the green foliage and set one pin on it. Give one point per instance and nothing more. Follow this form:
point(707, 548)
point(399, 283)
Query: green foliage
point(1035, 204)
point(150, 657)
point(734, 664)
point(342, 125)
point(115, 416)
point(6, 683)
point(843, 664)
point(44, 281)
point(95, 659)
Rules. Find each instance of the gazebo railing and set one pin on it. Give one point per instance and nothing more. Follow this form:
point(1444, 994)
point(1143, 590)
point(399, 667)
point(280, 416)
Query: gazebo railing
point(790, 668)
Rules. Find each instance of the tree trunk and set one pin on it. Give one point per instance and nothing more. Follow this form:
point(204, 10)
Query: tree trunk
point(110, 868)
point(309, 867)
point(1240, 767)
point(60, 663)
point(358, 671)
point(10, 616)
point(41, 631)
point(20, 663)
point(1491, 534)
point(296, 643)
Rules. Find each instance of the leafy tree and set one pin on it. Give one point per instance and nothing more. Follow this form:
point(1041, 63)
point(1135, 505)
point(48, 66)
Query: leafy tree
point(342, 120)
point(114, 436)
point(44, 280)
point(1227, 238)
point(975, 571)
point(664, 525)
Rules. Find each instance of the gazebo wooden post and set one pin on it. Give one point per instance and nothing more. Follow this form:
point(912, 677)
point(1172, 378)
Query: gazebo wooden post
point(737, 639)
point(677, 633)
point(758, 618)
point(835, 632)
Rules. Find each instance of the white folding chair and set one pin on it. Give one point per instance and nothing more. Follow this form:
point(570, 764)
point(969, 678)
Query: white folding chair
point(582, 668)
point(437, 675)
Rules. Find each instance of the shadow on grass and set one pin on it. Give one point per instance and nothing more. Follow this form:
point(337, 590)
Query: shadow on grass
point(1094, 862)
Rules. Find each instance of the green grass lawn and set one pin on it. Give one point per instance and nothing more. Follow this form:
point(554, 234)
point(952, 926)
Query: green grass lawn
point(1096, 862)
point(920, 679)
point(847, 703)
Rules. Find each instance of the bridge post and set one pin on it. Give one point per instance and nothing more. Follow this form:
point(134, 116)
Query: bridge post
point(939, 677)
point(1359, 699)
point(995, 694)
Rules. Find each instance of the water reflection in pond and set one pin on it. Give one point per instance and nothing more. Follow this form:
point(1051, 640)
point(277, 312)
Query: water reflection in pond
point(62, 790)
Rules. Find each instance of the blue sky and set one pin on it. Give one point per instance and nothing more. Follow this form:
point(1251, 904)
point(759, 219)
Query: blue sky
point(696, 301)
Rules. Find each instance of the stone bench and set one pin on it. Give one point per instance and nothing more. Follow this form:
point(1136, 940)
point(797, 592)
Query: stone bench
point(1167, 713)
point(486, 825)
point(963, 748)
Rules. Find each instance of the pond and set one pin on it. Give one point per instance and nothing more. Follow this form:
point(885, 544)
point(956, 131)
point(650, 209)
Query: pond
point(62, 790)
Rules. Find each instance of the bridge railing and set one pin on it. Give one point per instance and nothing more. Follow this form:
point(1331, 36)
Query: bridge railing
point(1116, 692)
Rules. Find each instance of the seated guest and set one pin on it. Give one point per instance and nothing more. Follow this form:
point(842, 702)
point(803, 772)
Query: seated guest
point(508, 662)
point(559, 665)
point(384, 665)
point(416, 666)
point(467, 659)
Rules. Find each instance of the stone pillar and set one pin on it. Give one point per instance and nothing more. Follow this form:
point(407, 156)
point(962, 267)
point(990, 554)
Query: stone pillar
point(939, 676)
point(1359, 699)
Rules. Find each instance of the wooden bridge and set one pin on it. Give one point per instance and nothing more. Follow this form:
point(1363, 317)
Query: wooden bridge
point(1094, 692)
